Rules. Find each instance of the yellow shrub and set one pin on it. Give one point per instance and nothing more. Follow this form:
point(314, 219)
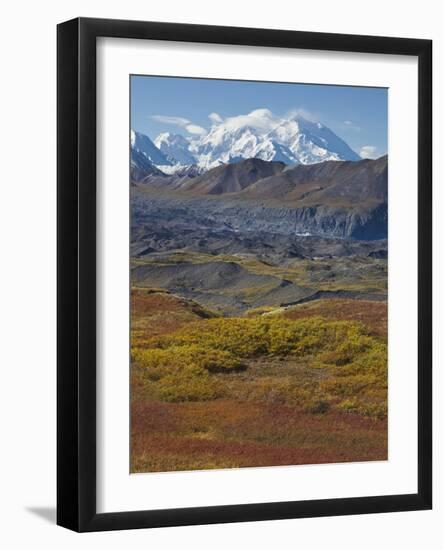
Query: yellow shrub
point(177, 357)
point(373, 410)
point(348, 405)
point(182, 365)
point(190, 384)
point(250, 337)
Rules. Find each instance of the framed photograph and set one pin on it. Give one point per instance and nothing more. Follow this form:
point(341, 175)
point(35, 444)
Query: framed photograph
point(244, 274)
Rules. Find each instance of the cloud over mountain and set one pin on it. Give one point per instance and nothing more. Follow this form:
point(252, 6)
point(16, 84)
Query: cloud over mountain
point(182, 122)
point(215, 118)
point(291, 139)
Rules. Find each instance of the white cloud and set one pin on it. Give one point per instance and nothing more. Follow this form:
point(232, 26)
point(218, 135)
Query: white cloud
point(182, 122)
point(304, 113)
point(215, 118)
point(368, 151)
point(348, 122)
point(195, 129)
point(261, 119)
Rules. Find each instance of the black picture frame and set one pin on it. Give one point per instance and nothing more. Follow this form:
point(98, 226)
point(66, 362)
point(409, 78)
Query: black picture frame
point(76, 294)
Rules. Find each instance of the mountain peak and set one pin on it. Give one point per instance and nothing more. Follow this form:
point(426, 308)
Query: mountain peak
point(169, 137)
point(258, 134)
point(175, 147)
point(293, 140)
point(145, 148)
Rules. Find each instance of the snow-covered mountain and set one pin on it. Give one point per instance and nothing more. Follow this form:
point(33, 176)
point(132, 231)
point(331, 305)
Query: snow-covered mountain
point(259, 134)
point(143, 149)
point(294, 140)
point(311, 142)
point(176, 147)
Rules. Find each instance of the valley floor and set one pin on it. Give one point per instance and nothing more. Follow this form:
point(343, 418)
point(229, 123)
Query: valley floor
point(303, 384)
point(259, 315)
point(234, 434)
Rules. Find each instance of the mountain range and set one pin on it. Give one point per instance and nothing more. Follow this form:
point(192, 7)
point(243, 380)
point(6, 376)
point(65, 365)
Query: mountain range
point(346, 199)
point(291, 141)
point(286, 176)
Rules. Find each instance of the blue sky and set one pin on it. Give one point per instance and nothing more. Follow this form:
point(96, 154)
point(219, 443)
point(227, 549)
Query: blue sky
point(183, 105)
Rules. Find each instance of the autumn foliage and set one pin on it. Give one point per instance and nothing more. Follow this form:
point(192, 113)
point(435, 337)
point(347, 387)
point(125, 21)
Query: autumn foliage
point(195, 363)
point(306, 384)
